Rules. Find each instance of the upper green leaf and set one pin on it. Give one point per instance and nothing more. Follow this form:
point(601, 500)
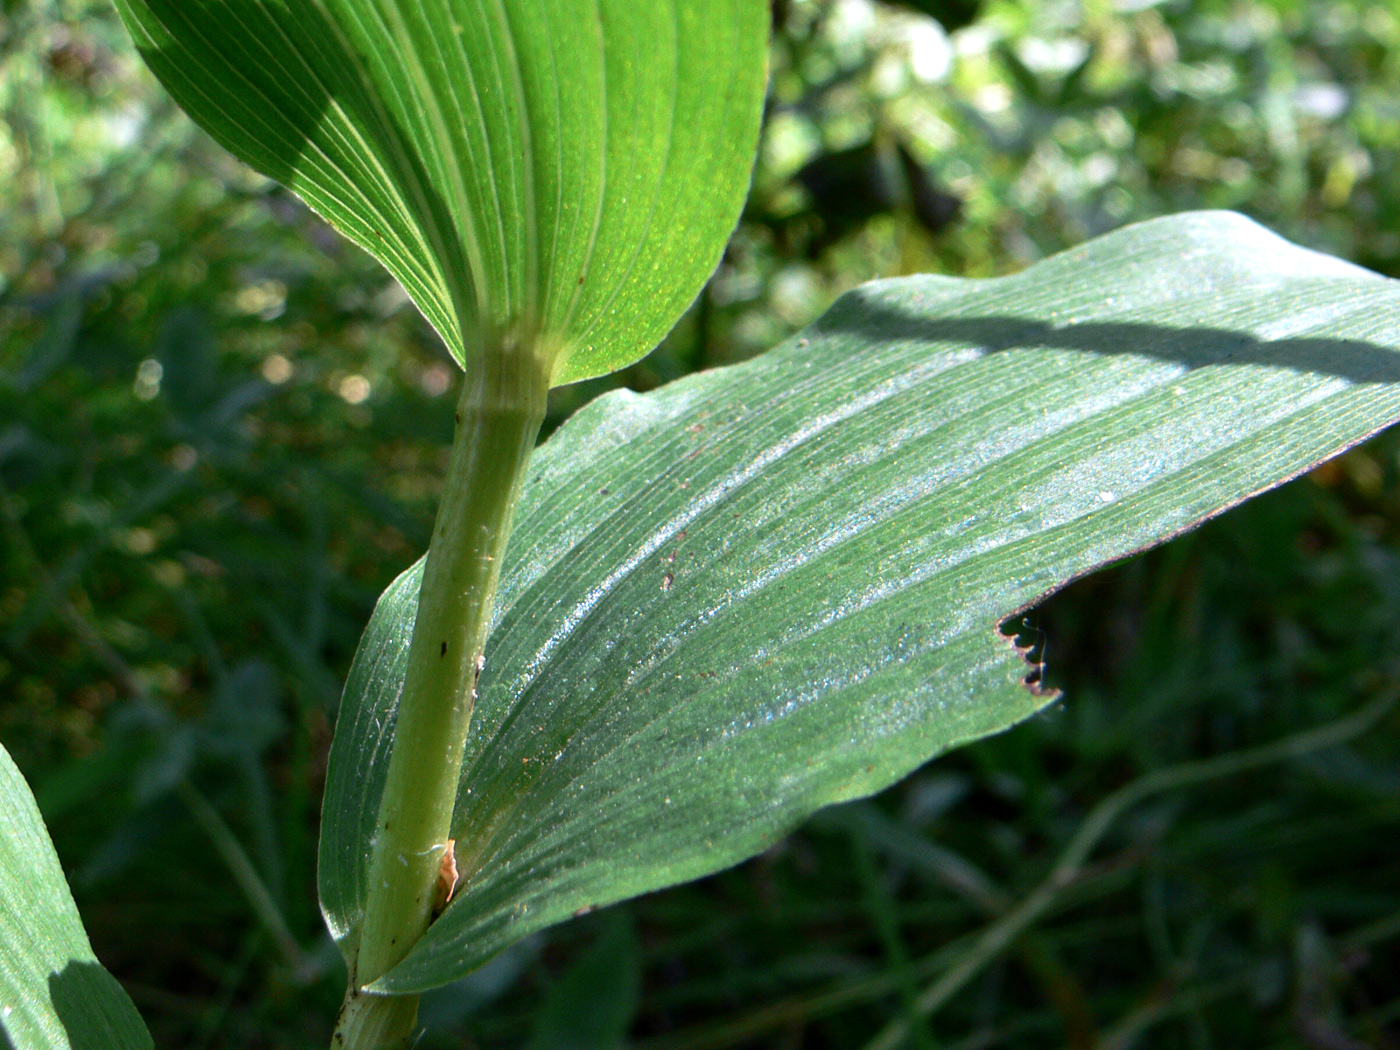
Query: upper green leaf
point(768, 588)
point(54, 994)
point(557, 174)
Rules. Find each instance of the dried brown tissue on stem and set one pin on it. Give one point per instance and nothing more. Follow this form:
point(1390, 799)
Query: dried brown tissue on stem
point(447, 879)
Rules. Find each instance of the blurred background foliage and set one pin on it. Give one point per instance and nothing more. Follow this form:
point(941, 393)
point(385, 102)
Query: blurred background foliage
point(221, 434)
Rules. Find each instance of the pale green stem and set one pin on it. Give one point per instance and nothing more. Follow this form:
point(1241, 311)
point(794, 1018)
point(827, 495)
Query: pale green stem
point(498, 419)
point(368, 1022)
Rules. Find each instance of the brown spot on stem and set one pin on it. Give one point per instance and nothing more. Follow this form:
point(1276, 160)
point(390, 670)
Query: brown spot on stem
point(443, 651)
point(447, 878)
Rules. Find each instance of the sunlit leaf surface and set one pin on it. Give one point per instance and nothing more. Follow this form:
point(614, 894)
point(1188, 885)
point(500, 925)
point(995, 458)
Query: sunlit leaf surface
point(562, 173)
point(772, 587)
point(54, 994)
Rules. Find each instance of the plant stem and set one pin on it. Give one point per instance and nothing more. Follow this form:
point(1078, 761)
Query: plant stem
point(368, 1022)
point(498, 420)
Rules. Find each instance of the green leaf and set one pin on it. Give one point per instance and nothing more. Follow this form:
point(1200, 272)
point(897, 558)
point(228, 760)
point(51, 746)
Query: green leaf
point(765, 589)
point(53, 992)
point(557, 173)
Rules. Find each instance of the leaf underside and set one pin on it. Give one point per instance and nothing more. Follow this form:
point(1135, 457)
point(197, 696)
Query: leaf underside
point(53, 992)
point(563, 170)
point(768, 588)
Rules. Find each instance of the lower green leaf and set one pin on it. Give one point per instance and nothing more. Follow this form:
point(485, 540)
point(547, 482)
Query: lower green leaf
point(54, 994)
point(765, 589)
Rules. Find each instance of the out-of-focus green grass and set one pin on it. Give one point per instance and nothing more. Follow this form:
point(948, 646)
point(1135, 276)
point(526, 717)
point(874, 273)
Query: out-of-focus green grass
point(221, 433)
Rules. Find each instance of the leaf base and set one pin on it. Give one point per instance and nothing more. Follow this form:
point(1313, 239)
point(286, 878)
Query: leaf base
point(375, 1022)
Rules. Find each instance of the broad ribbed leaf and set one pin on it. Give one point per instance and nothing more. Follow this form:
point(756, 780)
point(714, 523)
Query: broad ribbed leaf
point(768, 588)
point(560, 172)
point(54, 994)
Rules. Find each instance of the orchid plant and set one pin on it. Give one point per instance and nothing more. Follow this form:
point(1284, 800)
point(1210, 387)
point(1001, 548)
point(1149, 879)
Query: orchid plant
point(649, 648)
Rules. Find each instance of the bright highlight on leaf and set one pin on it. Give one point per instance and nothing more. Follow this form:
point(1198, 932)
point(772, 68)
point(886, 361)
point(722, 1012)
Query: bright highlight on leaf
point(555, 178)
point(845, 521)
point(54, 993)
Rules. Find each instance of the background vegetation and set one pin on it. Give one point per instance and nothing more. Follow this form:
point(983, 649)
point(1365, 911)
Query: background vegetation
point(221, 431)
